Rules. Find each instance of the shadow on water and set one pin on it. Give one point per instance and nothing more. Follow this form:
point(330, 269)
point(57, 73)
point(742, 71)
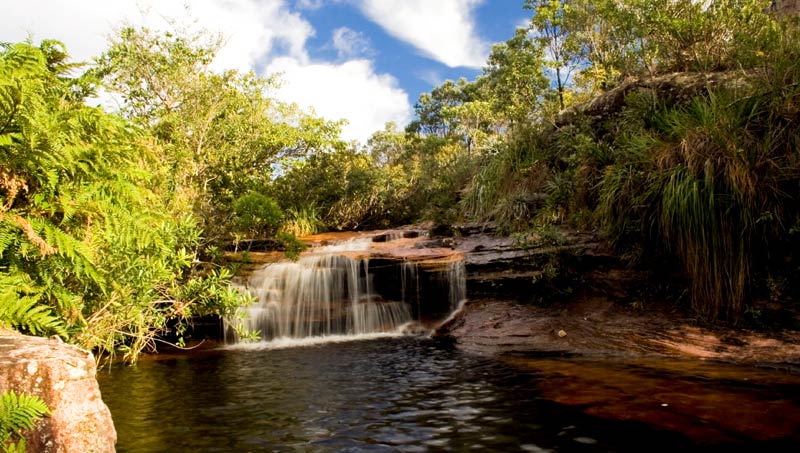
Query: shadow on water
point(412, 394)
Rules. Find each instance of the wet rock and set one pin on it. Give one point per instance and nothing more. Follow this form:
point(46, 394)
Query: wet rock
point(394, 235)
point(63, 376)
point(472, 229)
point(499, 266)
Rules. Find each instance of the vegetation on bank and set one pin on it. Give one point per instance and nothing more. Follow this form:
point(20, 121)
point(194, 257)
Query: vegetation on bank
point(108, 221)
point(670, 126)
point(111, 224)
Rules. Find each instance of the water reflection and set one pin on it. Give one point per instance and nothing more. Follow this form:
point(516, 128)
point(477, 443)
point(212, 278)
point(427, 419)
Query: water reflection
point(395, 395)
point(709, 402)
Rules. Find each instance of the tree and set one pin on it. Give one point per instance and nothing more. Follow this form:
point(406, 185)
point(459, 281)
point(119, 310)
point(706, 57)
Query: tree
point(219, 134)
point(87, 250)
point(514, 79)
point(552, 26)
point(434, 109)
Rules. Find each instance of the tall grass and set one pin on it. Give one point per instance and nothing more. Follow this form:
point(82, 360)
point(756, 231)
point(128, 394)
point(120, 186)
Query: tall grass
point(303, 221)
point(716, 182)
point(713, 181)
point(509, 183)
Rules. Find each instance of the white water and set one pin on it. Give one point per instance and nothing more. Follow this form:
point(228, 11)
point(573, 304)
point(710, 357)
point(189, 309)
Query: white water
point(328, 295)
point(286, 343)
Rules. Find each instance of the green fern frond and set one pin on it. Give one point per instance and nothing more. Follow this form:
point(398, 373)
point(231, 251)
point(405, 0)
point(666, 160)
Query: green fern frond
point(21, 309)
point(19, 412)
point(7, 239)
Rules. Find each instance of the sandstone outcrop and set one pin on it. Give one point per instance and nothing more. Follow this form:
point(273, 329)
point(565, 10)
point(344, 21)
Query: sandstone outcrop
point(63, 376)
point(573, 296)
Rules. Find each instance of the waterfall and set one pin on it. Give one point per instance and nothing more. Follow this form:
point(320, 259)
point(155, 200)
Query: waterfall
point(457, 276)
point(331, 292)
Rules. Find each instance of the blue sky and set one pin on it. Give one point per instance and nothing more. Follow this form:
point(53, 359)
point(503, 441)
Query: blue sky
point(366, 61)
point(417, 72)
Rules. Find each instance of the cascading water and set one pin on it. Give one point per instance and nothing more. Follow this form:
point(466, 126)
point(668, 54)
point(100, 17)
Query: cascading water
point(330, 292)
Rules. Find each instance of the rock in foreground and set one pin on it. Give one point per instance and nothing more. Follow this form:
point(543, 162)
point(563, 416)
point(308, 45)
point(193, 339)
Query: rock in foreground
point(63, 376)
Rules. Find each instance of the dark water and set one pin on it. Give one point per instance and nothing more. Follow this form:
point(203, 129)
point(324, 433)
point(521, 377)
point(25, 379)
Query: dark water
point(412, 394)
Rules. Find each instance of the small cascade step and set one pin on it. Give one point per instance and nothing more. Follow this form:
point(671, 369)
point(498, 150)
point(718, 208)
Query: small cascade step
point(331, 290)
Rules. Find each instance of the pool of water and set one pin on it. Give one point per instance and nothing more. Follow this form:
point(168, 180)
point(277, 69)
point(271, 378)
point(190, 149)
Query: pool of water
point(413, 394)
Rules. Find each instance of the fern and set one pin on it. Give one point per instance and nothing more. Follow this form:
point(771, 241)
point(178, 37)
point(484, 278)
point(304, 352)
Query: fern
point(18, 412)
point(20, 308)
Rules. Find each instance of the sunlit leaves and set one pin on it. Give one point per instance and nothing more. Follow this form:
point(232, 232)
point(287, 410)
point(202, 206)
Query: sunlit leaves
point(87, 249)
point(218, 135)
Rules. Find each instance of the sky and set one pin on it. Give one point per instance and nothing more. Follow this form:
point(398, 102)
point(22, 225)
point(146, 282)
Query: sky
point(365, 61)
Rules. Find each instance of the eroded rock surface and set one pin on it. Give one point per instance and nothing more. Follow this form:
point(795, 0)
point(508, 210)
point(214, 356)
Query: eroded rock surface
point(575, 297)
point(63, 376)
point(598, 326)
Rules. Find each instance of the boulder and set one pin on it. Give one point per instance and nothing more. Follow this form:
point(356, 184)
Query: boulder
point(63, 376)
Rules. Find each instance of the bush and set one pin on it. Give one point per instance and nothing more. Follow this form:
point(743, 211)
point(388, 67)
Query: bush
point(256, 215)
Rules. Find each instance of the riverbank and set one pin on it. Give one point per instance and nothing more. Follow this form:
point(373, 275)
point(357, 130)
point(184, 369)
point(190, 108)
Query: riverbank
point(600, 327)
point(574, 296)
point(563, 292)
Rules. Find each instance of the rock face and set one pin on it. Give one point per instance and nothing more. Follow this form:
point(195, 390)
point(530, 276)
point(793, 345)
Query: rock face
point(597, 326)
point(63, 376)
point(575, 297)
point(676, 87)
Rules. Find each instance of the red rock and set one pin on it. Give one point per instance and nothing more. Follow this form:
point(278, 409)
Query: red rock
point(63, 376)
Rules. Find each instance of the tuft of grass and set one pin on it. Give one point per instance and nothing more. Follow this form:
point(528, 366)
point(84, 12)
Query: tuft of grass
point(303, 221)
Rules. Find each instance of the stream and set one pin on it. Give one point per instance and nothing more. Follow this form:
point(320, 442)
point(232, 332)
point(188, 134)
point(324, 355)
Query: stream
point(415, 394)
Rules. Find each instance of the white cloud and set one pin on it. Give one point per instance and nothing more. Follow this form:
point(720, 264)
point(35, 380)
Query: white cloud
point(251, 28)
point(263, 33)
point(351, 90)
point(443, 30)
point(431, 76)
point(350, 43)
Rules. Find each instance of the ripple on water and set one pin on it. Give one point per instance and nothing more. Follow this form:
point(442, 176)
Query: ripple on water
point(408, 394)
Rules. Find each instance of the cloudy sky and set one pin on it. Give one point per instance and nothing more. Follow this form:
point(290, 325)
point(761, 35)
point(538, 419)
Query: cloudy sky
point(366, 61)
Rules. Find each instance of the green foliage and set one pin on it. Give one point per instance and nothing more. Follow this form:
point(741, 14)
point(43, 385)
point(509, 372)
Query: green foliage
point(20, 308)
point(434, 109)
point(292, 246)
point(711, 180)
point(637, 37)
point(18, 412)
point(554, 25)
point(218, 135)
point(102, 216)
point(341, 185)
point(88, 249)
point(256, 214)
point(507, 186)
point(514, 78)
point(303, 221)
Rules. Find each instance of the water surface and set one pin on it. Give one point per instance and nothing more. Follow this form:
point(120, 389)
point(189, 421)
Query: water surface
point(413, 394)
